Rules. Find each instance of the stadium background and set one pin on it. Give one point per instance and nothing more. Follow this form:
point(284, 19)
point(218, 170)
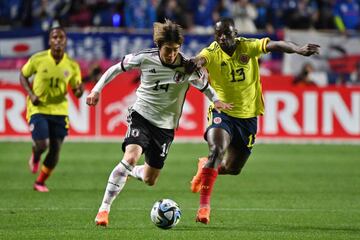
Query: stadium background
point(306, 98)
point(286, 191)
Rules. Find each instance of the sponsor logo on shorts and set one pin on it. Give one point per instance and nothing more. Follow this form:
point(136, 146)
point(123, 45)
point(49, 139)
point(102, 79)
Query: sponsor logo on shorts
point(31, 127)
point(217, 120)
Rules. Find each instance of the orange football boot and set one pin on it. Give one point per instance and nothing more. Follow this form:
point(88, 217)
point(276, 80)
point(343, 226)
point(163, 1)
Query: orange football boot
point(203, 215)
point(102, 218)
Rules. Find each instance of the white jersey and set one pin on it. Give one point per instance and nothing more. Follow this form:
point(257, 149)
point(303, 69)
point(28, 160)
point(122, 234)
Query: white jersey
point(162, 90)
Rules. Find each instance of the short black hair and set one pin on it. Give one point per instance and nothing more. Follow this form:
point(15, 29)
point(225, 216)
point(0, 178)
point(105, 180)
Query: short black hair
point(55, 28)
point(227, 20)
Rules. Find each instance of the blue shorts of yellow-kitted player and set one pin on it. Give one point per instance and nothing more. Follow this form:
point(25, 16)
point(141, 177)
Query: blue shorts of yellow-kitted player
point(43, 126)
point(242, 131)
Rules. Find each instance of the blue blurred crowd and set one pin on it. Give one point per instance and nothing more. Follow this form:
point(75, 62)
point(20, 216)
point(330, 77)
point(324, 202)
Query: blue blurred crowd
point(195, 16)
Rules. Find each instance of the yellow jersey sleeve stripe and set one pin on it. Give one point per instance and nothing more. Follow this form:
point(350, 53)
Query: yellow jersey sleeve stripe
point(264, 43)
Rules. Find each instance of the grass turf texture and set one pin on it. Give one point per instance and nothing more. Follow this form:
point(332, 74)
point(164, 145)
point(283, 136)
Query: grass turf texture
point(284, 192)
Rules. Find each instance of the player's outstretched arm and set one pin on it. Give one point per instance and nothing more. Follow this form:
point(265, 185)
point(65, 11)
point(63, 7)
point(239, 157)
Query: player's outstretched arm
point(93, 98)
point(200, 61)
point(290, 47)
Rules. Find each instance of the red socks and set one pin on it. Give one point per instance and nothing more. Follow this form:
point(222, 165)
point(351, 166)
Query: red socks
point(44, 174)
point(208, 178)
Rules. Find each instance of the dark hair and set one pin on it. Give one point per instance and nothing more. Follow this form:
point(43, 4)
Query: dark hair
point(227, 20)
point(167, 32)
point(55, 28)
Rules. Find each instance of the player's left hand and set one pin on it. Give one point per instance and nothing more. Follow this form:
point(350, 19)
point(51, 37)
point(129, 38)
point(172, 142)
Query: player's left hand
point(79, 90)
point(309, 49)
point(219, 105)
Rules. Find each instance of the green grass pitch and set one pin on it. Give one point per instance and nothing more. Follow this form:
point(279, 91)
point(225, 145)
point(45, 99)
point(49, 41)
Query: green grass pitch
point(284, 192)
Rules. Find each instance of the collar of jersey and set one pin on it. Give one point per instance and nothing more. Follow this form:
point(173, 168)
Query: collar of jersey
point(51, 56)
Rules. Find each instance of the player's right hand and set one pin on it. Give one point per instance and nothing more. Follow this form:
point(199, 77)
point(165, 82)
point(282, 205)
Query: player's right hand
point(309, 49)
point(34, 99)
point(219, 105)
point(92, 99)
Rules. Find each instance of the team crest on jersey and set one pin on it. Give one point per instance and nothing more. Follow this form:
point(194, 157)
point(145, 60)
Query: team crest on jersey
point(66, 73)
point(217, 120)
point(244, 58)
point(179, 77)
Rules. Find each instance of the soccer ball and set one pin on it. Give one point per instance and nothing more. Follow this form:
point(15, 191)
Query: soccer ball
point(165, 213)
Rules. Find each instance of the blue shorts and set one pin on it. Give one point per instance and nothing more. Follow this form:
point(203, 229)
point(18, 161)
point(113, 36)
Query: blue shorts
point(44, 126)
point(242, 131)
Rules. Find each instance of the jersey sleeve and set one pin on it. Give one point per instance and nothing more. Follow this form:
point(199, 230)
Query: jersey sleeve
point(199, 79)
point(28, 69)
point(131, 61)
point(128, 62)
point(256, 47)
point(206, 53)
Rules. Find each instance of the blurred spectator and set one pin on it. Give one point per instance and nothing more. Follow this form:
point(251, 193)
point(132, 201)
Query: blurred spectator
point(11, 12)
point(275, 10)
point(355, 75)
point(188, 17)
point(174, 11)
point(140, 14)
point(244, 15)
point(265, 16)
point(45, 12)
point(107, 13)
point(302, 14)
point(203, 12)
point(304, 78)
point(347, 15)
point(325, 19)
point(222, 9)
point(80, 14)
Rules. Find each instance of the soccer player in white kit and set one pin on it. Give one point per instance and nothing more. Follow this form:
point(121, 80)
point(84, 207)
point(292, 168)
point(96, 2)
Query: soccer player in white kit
point(165, 78)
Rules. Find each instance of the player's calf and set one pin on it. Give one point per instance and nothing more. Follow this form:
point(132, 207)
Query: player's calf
point(196, 180)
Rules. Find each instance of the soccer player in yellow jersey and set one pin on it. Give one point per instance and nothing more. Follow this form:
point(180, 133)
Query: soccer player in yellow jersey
point(233, 68)
point(47, 107)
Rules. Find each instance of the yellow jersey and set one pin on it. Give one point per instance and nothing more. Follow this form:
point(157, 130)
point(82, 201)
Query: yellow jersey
point(51, 82)
point(236, 78)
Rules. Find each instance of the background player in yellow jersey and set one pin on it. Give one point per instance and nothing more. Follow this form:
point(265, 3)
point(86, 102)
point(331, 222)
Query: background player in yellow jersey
point(47, 106)
point(233, 68)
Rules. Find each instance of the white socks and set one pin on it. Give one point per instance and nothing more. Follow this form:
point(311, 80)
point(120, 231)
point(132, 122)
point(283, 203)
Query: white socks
point(116, 182)
point(138, 172)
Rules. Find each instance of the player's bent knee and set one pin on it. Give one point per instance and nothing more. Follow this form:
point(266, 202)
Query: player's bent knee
point(41, 146)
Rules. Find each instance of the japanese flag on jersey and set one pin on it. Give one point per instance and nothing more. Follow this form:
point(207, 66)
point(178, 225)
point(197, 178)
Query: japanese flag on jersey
point(20, 47)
